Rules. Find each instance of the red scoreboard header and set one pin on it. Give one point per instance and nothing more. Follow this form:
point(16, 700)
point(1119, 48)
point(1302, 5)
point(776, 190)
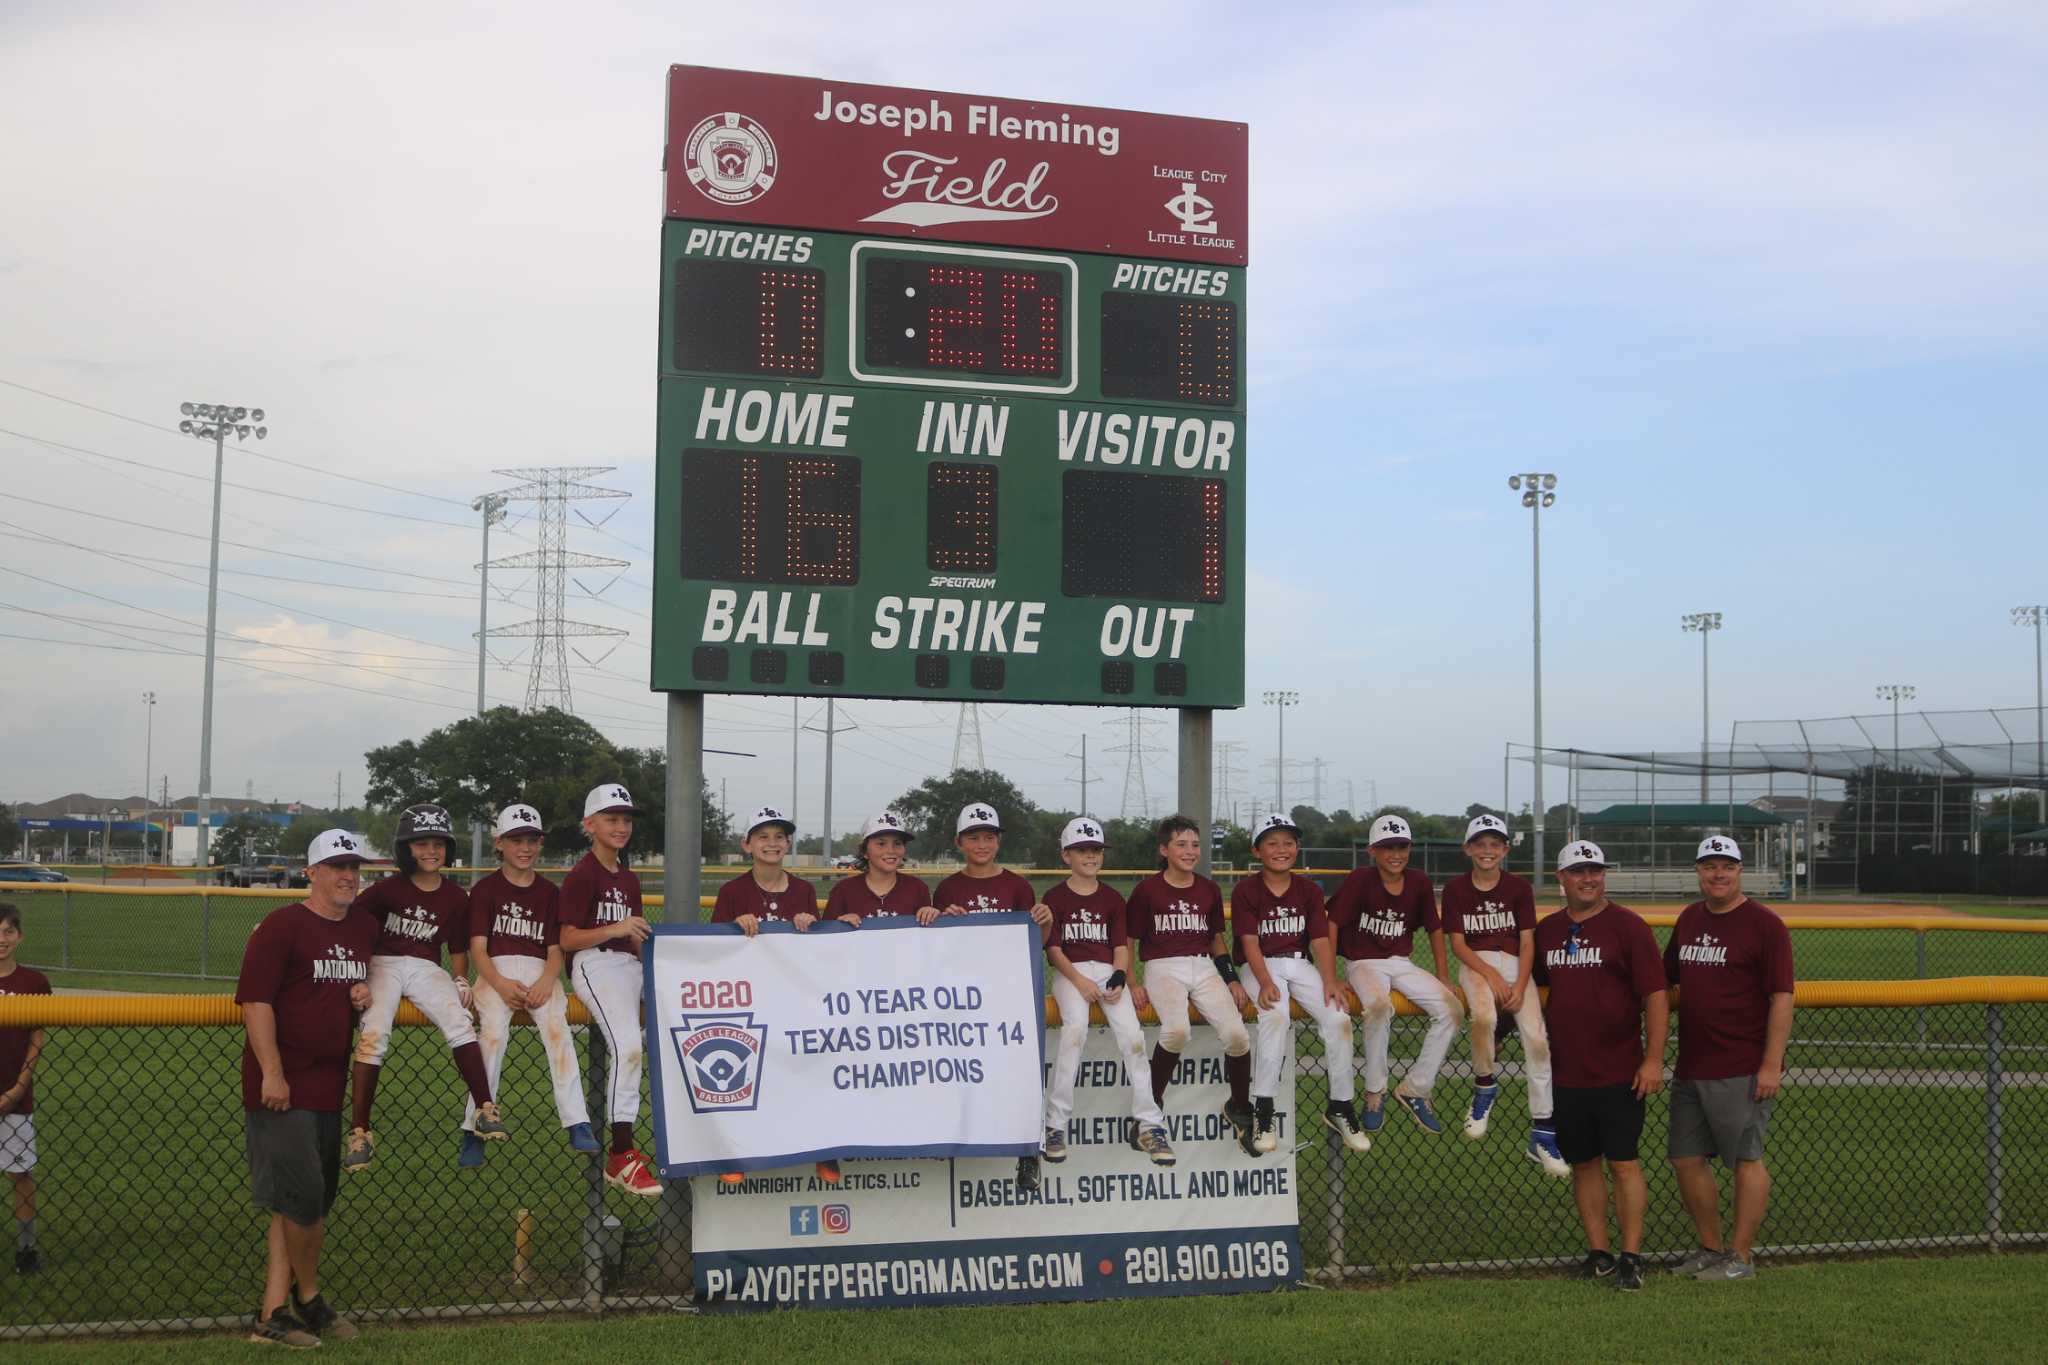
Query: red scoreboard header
point(792, 151)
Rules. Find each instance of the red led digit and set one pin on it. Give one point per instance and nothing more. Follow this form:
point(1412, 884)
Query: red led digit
point(839, 526)
point(1212, 540)
point(960, 517)
point(967, 317)
point(750, 516)
point(1029, 312)
point(1207, 349)
point(788, 321)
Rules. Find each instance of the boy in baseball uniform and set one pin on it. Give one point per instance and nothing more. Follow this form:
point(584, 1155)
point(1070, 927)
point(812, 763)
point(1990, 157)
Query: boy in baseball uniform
point(982, 887)
point(19, 1050)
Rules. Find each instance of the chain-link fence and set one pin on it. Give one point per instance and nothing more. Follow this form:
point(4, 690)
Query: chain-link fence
point(1915, 1125)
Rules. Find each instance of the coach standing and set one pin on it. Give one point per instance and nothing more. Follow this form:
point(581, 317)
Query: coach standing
point(305, 975)
point(1606, 983)
point(1731, 960)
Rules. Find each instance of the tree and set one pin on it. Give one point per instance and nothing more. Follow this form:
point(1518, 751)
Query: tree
point(10, 833)
point(243, 839)
point(932, 808)
point(302, 831)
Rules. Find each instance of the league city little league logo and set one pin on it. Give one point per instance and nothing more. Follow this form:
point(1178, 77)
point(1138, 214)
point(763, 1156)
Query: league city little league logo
point(720, 1055)
point(730, 159)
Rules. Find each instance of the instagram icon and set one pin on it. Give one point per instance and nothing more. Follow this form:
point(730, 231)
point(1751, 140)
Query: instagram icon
point(837, 1218)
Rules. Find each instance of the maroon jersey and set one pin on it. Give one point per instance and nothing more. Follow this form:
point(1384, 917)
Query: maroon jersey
point(515, 921)
point(1726, 967)
point(1173, 921)
point(415, 923)
point(985, 895)
point(1087, 928)
point(14, 1041)
point(1285, 924)
point(302, 964)
point(1374, 922)
point(744, 896)
point(1598, 983)
point(1491, 921)
point(592, 898)
point(853, 896)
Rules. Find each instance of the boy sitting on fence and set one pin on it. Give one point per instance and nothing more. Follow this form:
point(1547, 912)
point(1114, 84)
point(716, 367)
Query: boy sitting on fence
point(19, 1048)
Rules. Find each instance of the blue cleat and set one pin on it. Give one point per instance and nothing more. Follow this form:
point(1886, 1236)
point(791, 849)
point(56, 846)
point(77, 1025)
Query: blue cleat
point(1418, 1108)
point(1543, 1150)
point(581, 1139)
point(1483, 1097)
point(1373, 1118)
point(472, 1153)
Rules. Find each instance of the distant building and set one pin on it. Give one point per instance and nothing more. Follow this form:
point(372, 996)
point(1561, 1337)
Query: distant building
point(1792, 809)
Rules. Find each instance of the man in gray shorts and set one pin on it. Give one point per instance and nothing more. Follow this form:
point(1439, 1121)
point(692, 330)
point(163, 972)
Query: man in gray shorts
point(1731, 960)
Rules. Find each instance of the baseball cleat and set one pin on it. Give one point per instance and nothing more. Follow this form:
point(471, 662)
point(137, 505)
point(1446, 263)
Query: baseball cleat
point(471, 1153)
point(1628, 1273)
point(1055, 1146)
point(1419, 1109)
point(1598, 1265)
point(322, 1321)
point(1731, 1267)
point(1027, 1174)
point(1543, 1150)
point(1701, 1258)
point(581, 1139)
point(1266, 1134)
point(282, 1329)
point(1375, 1115)
point(490, 1124)
point(1338, 1119)
point(27, 1262)
point(1244, 1123)
point(1152, 1142)
point(357, 1152)
point(628, 1171)
point(828, 1171)
point(1483, 1098)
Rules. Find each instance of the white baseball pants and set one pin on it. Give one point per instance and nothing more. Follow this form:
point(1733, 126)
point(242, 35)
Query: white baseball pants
point(1298, 979)
point(1174, 981)
point(1130, 1044)
point(1528, 1020)
point(552, 1019)
point(608, 984)
point(428, 986)
point(1374, 979)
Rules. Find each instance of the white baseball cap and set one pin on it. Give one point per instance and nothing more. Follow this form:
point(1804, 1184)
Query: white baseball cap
point(1580, 853)
point(1718, 846)
point(1389, 828)
point(1486, 824)
point(977, 815)
point(888, 822)
point(768, 815)
point(1273, 822)
point(1083, 831)
point(608, 798)
point(518, 818)
point(336, 846)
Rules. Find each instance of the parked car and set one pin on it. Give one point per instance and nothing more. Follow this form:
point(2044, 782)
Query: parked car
point(263, 872)
point(29, 872)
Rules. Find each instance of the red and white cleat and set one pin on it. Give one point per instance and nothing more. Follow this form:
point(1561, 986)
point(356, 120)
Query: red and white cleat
point(628, 1170)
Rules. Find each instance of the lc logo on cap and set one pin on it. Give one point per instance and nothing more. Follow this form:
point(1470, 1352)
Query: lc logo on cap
point(1486, 824)
point(1581, 853)
point(518, 819)
point(1718, 846)
point(334, 846)
point(610, 798)
point(977, 815)
point(768, 815)
point(1278, 823)
point(888, 822)
point(1389, 829)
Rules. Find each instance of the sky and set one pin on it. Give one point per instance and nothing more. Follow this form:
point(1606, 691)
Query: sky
point(1765, 286)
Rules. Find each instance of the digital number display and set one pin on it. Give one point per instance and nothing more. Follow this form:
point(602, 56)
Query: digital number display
point(1175, 350)
point(1142, 535)
point(960, 518)
point(971, 319)
point(753, 517)
point(739, 318)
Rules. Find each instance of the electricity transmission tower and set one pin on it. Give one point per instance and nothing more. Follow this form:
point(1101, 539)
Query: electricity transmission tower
point(552, 490)
point(1137, 801)
point(967, 738)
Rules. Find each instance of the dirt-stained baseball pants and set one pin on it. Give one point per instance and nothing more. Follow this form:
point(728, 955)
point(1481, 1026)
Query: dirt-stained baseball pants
point(608, 984)
point(551, 1020)
point(1130, 1042)
point(1374, 979)
point(1298, 979)
point(1484, 1009)
point(1173, 982)
point(428, 986)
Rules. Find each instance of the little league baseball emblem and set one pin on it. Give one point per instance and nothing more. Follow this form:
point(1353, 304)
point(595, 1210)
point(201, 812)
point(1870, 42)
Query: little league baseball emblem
point(720, 1055)
point(730, 158)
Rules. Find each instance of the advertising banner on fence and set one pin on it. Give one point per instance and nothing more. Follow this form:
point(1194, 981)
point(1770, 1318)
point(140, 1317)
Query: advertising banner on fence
point(1105, 1223)
point(893, 1038)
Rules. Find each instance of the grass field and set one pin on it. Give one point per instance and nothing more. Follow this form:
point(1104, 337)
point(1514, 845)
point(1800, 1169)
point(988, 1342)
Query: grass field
point(1960, 1308)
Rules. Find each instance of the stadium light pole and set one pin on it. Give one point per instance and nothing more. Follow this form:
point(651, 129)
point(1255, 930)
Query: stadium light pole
point(1706, 623)
point(214, 422)
point(1895, 693)
point(1538, 492)
point(1280, 701)
point(148, 763)
point(2031, 616)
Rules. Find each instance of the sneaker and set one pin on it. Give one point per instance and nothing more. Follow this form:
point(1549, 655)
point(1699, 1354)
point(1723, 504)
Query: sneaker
point(1152, 1142)
point(1598, 1265)
point(1701, 1258)
point(322, 1321)
point(282, 1329)
point(1482, 1106)
point(1055, 1147)
point(1027, 1174)
point(1628, 1273)
point(1375, 1115)
point(1419, 1109)
point(490, 1125)
point(27, 1262)
point(1543, 1150)
point(471, 1154)
point(628, 1170)
point(1265, 1133)
point(828, 1171)
point(1242, 1122)
point(731, 1177)
point(358, 1151)
point(1338, 1119)
point(581, 1139)
point(1729, 1267)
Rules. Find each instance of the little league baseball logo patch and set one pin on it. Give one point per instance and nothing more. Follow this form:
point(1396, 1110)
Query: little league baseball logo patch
point(720, 1055)
point(730, 159)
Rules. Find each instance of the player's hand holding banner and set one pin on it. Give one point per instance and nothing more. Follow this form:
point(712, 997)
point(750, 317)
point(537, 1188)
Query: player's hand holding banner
point(886, 1040)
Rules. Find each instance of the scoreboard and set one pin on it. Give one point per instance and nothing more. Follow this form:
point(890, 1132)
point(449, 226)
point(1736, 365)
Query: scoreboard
point(951, 398)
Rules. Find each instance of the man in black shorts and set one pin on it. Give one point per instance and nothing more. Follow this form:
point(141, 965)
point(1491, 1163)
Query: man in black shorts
point(1606, 981)
point(305, 976)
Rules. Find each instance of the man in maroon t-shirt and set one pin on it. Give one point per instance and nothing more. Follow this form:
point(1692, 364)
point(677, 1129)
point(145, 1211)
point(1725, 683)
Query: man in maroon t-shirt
point(305, 976)
point(1731, 960)
point(1606, 992)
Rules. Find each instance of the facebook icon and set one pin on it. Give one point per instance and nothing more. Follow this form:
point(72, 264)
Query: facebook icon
point(803, 1220)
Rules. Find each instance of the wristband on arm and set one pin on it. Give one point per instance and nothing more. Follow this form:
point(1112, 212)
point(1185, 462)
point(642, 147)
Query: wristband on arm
point(1115, 982)
point(1224, 967)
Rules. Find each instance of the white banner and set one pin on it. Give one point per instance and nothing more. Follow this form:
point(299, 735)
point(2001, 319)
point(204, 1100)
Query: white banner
point(889, 1039)
point(1104, 1223)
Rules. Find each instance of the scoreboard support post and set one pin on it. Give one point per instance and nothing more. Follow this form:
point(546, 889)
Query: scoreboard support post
point(682, 875)
point(1197, 731)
